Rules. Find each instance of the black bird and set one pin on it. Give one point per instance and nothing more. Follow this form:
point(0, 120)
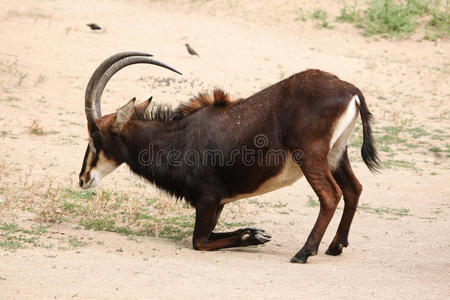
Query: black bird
point(94, 26)
point(191, 51)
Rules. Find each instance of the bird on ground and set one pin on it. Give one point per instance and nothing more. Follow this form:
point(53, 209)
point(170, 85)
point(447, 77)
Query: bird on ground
point(191, 51)
point(94, 26)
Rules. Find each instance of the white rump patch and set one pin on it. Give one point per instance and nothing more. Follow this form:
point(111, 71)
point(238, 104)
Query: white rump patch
point(342, 130)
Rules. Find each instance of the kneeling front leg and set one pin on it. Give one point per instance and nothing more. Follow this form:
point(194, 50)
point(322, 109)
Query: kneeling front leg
point(205, 221)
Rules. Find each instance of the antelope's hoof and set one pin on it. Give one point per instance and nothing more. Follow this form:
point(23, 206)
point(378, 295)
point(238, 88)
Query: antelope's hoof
point(302, 256)
point(255, 236)
point(335, 249)
point(263, 238)
point(253, 229)
point(298, 260)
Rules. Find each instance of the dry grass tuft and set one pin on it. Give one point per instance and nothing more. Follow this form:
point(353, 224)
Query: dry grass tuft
point(125, 212)
point(36, 128)
point(129, 213)
point(121, 212)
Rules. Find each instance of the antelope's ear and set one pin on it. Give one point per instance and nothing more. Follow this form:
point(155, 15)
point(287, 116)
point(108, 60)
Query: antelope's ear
point(141, 109)
point(147, 109)
point(123, 115)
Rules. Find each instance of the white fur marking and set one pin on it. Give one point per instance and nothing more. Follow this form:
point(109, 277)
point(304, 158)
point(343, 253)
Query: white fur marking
point(342, 130)
point(103, 167)
point(245, 237)
point(290, 173)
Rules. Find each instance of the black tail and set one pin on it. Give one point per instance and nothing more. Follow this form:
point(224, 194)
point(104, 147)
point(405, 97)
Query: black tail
point(368, 151)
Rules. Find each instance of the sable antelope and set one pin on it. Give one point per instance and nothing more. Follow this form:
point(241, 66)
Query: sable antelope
point(299, 126)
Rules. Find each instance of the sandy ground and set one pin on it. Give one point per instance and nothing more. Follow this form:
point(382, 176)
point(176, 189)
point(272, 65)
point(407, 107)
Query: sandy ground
point(47, 54)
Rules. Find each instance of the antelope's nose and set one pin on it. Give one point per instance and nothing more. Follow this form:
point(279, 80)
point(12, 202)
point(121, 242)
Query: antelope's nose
point(81, 182)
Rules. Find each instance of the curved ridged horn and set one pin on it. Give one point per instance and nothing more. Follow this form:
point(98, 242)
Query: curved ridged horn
point(91, 113)
point(106, 75)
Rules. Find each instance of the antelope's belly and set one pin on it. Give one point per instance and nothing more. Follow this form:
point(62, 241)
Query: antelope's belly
point(290, 173)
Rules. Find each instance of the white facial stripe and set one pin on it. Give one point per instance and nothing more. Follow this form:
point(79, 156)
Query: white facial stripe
point(103, 167)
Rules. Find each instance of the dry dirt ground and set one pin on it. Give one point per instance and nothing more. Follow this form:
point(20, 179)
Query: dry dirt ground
point(400, 239)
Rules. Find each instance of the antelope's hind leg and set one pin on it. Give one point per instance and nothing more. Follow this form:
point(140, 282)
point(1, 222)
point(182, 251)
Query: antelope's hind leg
point(316, 170)
point(207, 215)
point(351, 189)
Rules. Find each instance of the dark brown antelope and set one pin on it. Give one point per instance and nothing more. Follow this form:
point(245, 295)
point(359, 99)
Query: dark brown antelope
point(211, 151)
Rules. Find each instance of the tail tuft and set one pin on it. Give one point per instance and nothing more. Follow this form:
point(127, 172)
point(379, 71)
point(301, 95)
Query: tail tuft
point(368, 151)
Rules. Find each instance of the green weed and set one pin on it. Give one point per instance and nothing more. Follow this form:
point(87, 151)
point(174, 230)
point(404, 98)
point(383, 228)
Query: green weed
point(312, 202)
point(280, 204)
point(439, 25)
point(22, 77)
point(416, 132)
point(387, 19)
point(75, 242)
point(390, 18)
point(435, 149)
point(36, 230)
point(41, 79)
point(78, 194)
point(10, 245)
point(6, 133)
point(392, 163)
point(393, 140)
point(322, 17)
point(234, 224)
point(13, 238)
point(400, 212)
point(176, 228)
point(350, 13)
point(103, 210)
point(8, 227)
point(104, 223)
point(301, 16)
point(9, 99)
point(418, 7)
